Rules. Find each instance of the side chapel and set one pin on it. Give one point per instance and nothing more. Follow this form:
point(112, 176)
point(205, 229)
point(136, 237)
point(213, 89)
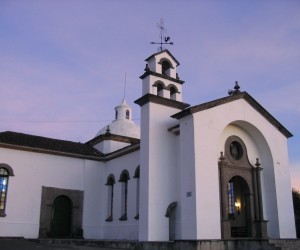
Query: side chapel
point(217, 170)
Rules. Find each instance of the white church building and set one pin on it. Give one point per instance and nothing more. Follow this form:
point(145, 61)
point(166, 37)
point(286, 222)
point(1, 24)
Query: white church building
point(217, 170)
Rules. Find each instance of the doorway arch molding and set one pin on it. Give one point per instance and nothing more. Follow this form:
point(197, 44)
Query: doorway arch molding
point(49, 194)
point(235, 163)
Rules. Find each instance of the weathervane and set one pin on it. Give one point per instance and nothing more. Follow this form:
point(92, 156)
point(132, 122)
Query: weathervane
point(163, 38)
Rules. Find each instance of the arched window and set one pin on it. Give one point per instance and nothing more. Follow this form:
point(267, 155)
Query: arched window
point(3, 188)
point(160, 88)
point(110, 197)
point(124, 177)
point(127, 114)
point(137, 177)
point(173, 92)
point(116, 115)
point(165, 68)
point(5, 172)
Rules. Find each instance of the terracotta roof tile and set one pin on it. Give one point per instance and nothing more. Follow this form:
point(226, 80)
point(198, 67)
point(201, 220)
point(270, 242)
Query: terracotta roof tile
point(40, 143)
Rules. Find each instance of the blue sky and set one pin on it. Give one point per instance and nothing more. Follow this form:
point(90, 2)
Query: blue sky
point(63, 63)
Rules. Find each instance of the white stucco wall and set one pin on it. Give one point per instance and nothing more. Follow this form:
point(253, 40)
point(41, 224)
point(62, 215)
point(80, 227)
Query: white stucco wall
point(157, 67)
point(158, 171)
point(108, 146)
point(211, 128)
point(117, 229)
point(94, 200)
point(34, 170)
point(187, 181)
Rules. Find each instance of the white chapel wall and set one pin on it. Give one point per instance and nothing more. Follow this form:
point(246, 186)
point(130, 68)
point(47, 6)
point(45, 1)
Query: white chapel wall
point(209, 130)
point(32, 171)
point(117, 229)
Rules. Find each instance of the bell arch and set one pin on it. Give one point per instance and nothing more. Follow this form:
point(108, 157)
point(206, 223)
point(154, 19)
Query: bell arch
point(166, 66)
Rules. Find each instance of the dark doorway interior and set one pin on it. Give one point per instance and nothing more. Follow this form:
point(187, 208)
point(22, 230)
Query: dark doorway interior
point(61, 213)
point(61, 220)
point(240, 211)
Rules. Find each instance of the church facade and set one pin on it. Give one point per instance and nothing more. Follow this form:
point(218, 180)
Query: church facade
point(217, 170)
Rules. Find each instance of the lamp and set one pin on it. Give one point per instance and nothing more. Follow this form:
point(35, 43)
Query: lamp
point(237, 205)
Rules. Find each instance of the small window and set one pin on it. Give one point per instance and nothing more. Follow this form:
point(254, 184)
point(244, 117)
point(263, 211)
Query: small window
point(110, 197)
point(236, 150)
point(124, 194)
point(116, 115)
point(3, 188)
point(127, 114)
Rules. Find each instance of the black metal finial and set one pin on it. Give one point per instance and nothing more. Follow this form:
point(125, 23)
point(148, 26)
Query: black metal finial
point(107, 130)
point(236, 89)
point(147, 68)
point(163, 39)
point(222, 158)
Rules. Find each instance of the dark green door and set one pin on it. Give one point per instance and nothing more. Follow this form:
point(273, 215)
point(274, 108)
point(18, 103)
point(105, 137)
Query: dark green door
point(61, 217)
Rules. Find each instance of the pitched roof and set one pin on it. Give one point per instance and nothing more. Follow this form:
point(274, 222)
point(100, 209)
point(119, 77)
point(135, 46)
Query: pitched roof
point(165, 50)
point(234, 97)
point(41, 144)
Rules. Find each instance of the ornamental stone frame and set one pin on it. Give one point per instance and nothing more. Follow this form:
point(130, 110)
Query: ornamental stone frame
point(49, 194)
point(235, 163)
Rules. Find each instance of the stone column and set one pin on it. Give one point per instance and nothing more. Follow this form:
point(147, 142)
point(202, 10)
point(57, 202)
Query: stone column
point(261, 224)
point(225, 223)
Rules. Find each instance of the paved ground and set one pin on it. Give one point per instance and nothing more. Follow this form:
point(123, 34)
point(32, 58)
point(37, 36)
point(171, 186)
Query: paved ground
point(15, 244)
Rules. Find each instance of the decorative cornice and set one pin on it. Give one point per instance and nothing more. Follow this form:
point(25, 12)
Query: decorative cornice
point(147, 73)
point(161, 100)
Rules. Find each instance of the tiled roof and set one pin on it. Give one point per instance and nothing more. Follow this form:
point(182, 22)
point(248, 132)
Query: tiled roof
point(47, 145)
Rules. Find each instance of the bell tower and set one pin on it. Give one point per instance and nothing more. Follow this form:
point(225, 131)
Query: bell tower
point(161, 98)
point(161, 77)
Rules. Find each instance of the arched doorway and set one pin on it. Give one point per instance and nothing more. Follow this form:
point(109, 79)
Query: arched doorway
point(240, 193)
point(171, 214)
point(61, 219)
point(239, 208)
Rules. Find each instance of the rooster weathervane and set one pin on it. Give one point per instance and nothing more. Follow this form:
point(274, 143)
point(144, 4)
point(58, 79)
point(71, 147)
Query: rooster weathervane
point(163, 38)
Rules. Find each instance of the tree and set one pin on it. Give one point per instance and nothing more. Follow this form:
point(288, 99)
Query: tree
point(296, 202)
